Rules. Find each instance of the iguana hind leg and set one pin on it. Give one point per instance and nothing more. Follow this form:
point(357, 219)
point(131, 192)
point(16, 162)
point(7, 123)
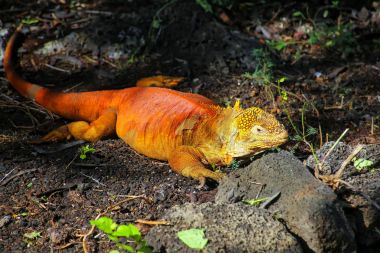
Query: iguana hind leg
point(82, 130)
point(187, 161)
point(159, 81)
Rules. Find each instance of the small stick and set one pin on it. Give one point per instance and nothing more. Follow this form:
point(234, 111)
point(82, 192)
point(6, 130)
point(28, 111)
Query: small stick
point(93, 179)
point(58, 69)
point(152, 222)
point(17, 175)
point(319, 165)
point(270, 200)
point(339, 173)
point(7, 175)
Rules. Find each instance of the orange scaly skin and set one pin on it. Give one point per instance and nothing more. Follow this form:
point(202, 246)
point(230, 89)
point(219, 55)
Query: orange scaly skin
point(188, 130)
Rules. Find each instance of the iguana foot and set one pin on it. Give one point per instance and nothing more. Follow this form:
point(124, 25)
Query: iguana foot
point(59, 134)
point(159, 81)
point(217, 176)
point(201, 174)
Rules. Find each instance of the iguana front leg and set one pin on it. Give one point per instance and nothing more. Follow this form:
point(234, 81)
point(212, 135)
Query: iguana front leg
point(82, 130)
point(187, 161)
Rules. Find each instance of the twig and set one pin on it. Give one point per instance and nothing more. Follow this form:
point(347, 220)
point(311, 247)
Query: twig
point(339, 173)
point(270, 200)
point(334, 180)
point(17, 175)
point(151, 222)
point(7, 175)
point(57, 69)
point(95, 165)
point(93, 179)
point(320, 164)
point(66, 245)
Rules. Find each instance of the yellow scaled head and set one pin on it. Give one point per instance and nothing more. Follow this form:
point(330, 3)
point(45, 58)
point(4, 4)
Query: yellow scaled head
point(255, 130)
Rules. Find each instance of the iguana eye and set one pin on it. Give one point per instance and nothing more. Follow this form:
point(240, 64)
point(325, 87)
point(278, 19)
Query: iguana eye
point(258, 130)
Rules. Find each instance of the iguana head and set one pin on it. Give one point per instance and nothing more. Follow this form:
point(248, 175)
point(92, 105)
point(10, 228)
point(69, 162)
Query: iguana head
point(254, 130)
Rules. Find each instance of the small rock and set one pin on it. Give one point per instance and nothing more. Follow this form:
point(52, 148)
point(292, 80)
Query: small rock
point(228, 228)
point(365, 182)
point(5, 220)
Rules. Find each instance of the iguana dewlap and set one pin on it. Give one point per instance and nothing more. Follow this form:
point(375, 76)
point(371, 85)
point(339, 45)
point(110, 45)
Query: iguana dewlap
point(188, 130)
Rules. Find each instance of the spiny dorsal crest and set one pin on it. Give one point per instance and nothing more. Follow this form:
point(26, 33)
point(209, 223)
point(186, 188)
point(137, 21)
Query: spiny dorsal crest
point(248, 118)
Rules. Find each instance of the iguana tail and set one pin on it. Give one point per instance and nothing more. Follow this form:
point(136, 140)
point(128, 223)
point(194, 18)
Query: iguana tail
point(76, 106)
point(25, 88)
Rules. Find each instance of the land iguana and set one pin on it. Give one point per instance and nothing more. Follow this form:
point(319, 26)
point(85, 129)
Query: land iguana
point(188, 130)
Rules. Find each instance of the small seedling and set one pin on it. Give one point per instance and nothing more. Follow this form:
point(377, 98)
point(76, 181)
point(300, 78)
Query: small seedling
point(298, 14)
point(193, 238)
point(118, 234)
point(263, 72)
point(84, 150)
point(29, 21)
point(30, 237)
point(360, 163)
point(283, 93)
point(234, 165)
point(255, 202)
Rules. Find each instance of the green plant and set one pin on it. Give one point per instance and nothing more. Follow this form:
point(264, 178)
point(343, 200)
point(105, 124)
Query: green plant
point(283, 93)
point(278, 45)
point(263, 72)
point(234, 165)
point(118, 233)
point(360, 163)
point(339, 37)
point(30, 21)
point(207, 4)
point(31, 236)
point(255, 202)
point(193, 238)
point(298, 14)
point(84, 150)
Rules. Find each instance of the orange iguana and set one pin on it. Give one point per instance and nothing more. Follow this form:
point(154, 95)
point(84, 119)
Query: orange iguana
point(188, 130)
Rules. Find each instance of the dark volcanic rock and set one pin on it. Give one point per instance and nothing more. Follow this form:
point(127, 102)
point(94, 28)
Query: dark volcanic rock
point(364, 197)
point(228, 228)
point(309, 208)
point(194, 36)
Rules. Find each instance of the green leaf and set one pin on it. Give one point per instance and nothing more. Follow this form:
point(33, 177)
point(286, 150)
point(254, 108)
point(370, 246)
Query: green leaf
point(205, 5)
point(311, 131)
point(298, 14)
point(255, 202)
point(278, 45)
point(281, 80)
point(325, 13)
point(126, 247)
point(156, 23)
point(360, 164)
point(145, 249)
point(129, 230)
point(193, 238)
point(32, 235)
point(29, 21)
point(105, 224)
point(114, 251)
point(113, 238)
